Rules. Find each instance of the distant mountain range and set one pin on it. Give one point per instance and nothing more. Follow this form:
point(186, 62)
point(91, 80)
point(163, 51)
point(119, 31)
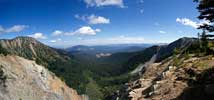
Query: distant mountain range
point(114, 48)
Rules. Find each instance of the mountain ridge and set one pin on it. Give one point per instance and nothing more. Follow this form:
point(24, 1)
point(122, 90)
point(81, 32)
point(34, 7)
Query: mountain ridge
point(28, 47)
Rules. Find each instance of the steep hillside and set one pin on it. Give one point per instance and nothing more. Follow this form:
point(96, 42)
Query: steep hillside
point(57, 61)
point(161, 52)
point(22, 79)
point(180, 44)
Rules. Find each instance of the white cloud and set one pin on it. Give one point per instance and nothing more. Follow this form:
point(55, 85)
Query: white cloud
point(38, 36)
point(125, 39)
point(53, 41)
point(15, 28)
point(163, 32)
point(188, 22)
point(99, 3)
point(86, 30)
point(93, 19)
point(57, 32)
point(98, 20)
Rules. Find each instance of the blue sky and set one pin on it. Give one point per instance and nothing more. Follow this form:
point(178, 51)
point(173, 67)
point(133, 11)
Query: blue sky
point(64, 23)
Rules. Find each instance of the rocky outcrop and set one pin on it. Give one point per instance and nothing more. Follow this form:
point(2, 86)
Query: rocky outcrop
point(22, 79)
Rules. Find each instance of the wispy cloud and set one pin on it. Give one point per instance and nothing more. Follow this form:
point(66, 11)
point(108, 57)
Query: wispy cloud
point(38, 36)
point(163, 32)
point(80, 17)
point(114, 40)
point(56, 40)
point(93, 19)
point(188, 22)
point(15, 28)
point(99, 3)
point(52, 41)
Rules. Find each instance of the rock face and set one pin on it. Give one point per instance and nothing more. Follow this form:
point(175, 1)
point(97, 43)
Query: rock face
point(22, 79)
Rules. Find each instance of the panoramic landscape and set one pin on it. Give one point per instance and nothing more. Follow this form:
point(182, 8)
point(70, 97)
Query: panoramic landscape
point(106, 50)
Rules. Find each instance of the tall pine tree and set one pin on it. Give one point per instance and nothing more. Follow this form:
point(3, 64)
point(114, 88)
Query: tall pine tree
point(206, 10)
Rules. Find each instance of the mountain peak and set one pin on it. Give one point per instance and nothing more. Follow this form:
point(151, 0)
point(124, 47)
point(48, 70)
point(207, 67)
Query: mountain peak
point(25, 38)
point(19, 42)
point(28, 47)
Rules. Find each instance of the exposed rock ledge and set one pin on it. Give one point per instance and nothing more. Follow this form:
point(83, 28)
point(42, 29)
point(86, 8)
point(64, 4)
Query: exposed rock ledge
point(25, 80)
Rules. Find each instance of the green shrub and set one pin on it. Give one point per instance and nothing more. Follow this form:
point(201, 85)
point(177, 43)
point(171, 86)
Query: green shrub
point(3, 77)
point(3, 51)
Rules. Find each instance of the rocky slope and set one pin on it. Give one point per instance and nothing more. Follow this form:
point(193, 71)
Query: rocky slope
point(180, 77)
point(22, 79)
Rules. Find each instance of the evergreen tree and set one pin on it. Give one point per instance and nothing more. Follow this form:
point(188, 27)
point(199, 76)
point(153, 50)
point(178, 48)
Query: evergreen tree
point(3, 51)
point(204, 41)
point(206, 10)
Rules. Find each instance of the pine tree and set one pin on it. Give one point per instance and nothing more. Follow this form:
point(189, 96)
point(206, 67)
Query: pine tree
point(206, 10)
point(204, 41)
